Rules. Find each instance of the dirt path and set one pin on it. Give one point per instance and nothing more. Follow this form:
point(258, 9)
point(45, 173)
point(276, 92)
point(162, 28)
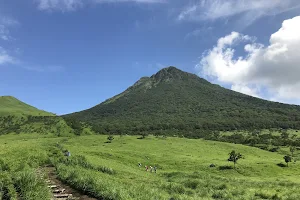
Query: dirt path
point(60, 190)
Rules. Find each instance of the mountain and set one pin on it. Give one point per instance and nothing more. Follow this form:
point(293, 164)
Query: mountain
point(176, 101)
point(11, 106)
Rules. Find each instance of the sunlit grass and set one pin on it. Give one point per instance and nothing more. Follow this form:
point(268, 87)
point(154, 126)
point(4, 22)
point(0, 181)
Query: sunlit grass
point(110, 170)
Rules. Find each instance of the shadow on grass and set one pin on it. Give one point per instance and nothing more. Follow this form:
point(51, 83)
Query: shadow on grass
point(225, 167)
point(281, 165)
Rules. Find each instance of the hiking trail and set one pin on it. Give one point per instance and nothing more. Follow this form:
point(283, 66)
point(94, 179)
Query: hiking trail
point(60, 191)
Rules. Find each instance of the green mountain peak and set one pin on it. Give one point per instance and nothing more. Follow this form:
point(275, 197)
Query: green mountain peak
point(174, 99)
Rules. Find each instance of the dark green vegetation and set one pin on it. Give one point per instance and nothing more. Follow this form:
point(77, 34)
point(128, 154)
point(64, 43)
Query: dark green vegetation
point(110, 171)
point(42, 125)
point(173, 102)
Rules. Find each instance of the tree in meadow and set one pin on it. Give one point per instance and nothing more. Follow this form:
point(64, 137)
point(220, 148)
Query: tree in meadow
point(234, 157)
point(287, 159)
point(110, 138)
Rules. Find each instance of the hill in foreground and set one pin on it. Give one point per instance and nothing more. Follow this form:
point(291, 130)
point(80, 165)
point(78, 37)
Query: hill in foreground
point(173, 100)
point(11, 106)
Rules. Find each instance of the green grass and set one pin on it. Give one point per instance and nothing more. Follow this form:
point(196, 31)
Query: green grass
point(110, 170)
point(12, 106)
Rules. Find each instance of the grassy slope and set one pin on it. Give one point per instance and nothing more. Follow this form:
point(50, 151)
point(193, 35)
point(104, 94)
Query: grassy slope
point(12, 106)
point(183, 167)
point(19, 117)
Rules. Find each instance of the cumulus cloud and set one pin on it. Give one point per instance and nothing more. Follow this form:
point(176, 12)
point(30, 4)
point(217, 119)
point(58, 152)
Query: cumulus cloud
point(72, 5)
point(250, 10)
point(275, 67)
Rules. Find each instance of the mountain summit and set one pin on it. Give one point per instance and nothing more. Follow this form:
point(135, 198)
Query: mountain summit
point(173, 100)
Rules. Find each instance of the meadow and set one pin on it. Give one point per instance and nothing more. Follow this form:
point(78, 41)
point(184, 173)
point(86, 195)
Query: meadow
point(110, 170)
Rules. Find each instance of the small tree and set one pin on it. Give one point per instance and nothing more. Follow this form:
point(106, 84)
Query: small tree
point(110, 138)
point(144, 135)
point(234, 157)
point(292, 150)
point(287, 159)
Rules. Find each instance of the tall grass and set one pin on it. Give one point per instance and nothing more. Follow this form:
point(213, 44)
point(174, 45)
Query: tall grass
point(7, 190)
point(103, 188)
point(57, 156)
point(84, 180)
point(30, 186)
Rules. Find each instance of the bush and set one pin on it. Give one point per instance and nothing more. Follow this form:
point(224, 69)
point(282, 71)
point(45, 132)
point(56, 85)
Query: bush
point(267, 195)
point(193, 184)
point(3, 166)
point(218, 195)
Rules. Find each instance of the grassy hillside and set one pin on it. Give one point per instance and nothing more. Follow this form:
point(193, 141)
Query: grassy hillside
point(173, 101)
point(110, 170)
point(12, 106)
point(18, 117)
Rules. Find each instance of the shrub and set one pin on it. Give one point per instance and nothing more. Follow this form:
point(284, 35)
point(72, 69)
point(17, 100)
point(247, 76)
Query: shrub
point(193, 184)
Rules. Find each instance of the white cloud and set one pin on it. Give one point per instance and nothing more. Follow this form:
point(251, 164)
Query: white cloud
point(198, 32)
point(62, 5)
point(275, 67)
point(250, 9)
point(72, 5)
point(5, 24)
point(245, 89)
point(5, 58)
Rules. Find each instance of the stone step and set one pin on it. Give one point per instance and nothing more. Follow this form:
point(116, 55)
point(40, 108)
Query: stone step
point(62, 196)
point(59, 191)
point(52, 186)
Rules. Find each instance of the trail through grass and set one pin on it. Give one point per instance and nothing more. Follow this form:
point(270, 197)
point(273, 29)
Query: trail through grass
point(110, 170)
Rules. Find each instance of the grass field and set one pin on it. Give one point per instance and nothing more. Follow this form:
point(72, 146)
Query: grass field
point(110, 170)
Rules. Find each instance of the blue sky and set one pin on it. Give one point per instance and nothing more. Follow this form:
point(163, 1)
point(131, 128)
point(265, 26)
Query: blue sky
point(67, 55)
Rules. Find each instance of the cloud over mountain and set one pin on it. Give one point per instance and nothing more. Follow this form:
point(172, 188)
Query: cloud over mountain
point(274, 68)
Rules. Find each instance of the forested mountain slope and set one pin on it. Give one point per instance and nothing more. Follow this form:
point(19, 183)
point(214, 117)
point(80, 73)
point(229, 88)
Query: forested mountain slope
point(178, 101)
